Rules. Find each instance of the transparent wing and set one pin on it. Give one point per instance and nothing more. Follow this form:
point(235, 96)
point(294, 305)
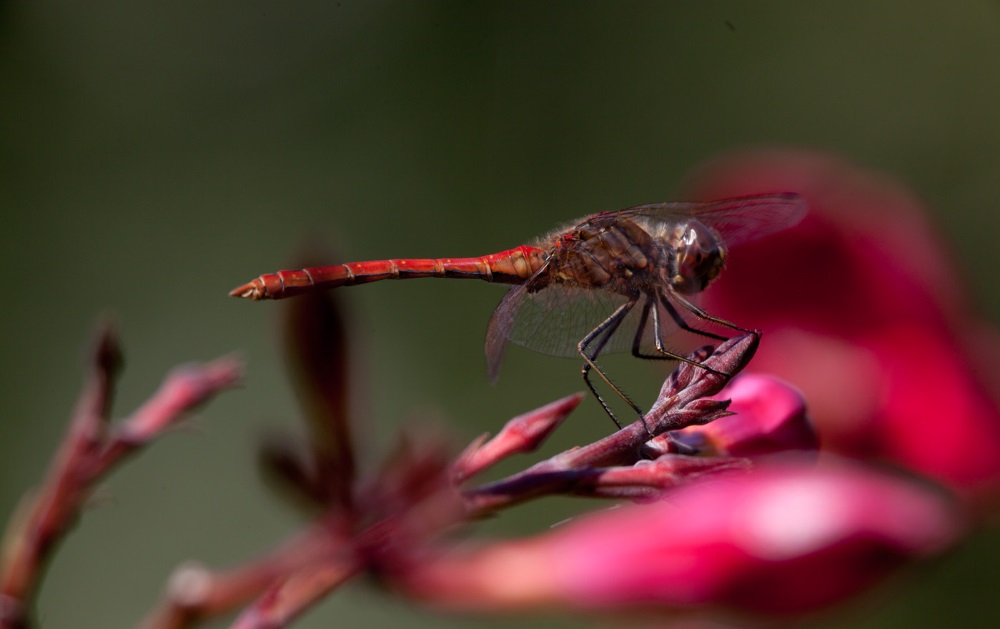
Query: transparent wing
point(737, 220)
point(555, 319)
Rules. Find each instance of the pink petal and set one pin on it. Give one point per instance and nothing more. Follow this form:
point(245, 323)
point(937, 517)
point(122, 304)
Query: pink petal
point(789, 538)
point(863, 310)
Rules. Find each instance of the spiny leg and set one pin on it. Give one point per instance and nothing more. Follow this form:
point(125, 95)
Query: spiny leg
point(602, 333)
point(637, 339)
point(662, 352)
point(698, 312)
point(684, 325)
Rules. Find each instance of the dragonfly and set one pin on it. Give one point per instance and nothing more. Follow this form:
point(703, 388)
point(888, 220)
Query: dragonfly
point(609, 282)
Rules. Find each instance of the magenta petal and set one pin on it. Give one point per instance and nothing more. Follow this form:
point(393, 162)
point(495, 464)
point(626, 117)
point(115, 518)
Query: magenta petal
point(785, 539)
point(864, 311)
point(933, 416)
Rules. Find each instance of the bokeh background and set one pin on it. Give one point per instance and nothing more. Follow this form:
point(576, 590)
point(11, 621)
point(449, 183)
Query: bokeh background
point(153, 156)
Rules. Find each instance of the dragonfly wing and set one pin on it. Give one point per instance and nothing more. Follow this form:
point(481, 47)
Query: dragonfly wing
point(737, 220)
point(554, 320)
point(499, 328)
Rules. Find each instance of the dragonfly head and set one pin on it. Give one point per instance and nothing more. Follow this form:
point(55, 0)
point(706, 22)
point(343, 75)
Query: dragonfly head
point(698, 258)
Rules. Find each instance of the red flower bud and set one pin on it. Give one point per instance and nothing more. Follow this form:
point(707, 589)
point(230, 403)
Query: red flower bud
point(769, 417)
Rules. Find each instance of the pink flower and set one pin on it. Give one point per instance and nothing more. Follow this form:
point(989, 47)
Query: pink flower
point(863, 311)
point(788, 538)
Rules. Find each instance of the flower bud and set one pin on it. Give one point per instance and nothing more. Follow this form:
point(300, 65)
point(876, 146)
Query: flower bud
point(769, 417)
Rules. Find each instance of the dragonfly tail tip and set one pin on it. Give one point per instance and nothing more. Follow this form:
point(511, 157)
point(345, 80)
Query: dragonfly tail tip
point(250, 290)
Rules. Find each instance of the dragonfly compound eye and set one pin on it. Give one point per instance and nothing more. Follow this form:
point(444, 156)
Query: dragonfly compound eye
point(698, 258)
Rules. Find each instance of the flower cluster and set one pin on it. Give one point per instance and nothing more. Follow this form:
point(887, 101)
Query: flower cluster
point(393, 523)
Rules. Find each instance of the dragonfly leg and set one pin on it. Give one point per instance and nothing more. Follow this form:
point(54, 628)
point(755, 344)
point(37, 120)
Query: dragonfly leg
point(701, 314)
point(637, 339)
point(697, 311)
point(662, 352)
point(602, 334)
point(684, 325)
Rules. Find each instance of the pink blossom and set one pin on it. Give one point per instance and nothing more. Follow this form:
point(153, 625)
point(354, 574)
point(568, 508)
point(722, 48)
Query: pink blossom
point(863, 310)
point(788, 538)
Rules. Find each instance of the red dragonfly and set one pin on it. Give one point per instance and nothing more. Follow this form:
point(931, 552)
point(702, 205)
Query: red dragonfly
point(612, 281)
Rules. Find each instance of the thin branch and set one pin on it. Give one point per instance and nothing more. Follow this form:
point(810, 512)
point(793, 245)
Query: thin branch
point(195, 593)
point(85, 455)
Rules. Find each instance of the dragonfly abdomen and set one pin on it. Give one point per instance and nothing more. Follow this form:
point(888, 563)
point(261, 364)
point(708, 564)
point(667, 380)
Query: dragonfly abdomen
point(510, 267)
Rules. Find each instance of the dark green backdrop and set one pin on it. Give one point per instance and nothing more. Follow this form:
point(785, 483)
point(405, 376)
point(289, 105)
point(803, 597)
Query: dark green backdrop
point(152, 157)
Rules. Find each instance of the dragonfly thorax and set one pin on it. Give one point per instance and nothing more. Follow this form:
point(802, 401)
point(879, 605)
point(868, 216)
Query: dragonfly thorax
point(697, 257)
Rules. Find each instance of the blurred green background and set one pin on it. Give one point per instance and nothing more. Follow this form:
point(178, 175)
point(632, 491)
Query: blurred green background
point(153, 156)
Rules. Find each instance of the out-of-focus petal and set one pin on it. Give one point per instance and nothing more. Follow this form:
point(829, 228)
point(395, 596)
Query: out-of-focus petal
point(863, 310)
point(864, 255)
point(841, 378)
point(769, 417)
point(789, 538)
point(933, 415)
